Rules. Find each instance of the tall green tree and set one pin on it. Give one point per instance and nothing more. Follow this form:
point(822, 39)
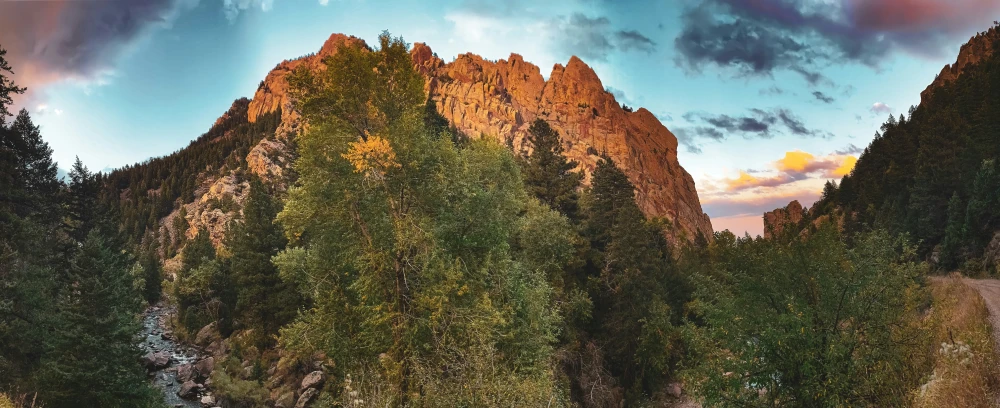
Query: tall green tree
point(264, 303)
point(149, 260)
point(637, 292)
point(954, 233)
point(92, 354)
point(403, 241)
point(193, 289)
point(548, 173)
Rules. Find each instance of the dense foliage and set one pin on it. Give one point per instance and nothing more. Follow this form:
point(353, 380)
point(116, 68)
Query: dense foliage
point(932, 173)
point(810, 323)
point(68, 306)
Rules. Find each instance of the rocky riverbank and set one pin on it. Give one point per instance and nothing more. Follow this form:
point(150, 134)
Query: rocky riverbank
point(177, 369)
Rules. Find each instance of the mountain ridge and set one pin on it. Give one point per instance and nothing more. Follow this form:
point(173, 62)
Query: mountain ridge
point(501, 98)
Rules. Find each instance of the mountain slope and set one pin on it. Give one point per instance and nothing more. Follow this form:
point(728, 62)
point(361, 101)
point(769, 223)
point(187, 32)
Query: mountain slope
point(500, 99)
point(933, 174)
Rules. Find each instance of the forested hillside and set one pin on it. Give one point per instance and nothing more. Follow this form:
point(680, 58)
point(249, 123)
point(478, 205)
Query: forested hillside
point(932, 173)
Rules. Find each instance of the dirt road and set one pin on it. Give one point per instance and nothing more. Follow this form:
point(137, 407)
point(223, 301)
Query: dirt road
point(989, 289)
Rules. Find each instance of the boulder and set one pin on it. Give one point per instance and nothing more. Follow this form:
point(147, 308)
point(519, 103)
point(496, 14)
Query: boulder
point(203, 369)
point(286, 400)
point(189, 390)
point(207, 335)
point(306, 398)
point(185, 373)
point(313, 380)
point(674, 390)
point(208, 401)
point(156, 361)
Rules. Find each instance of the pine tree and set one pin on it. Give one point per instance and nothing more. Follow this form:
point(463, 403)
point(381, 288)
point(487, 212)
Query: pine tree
point(81, 214)
point(92, 357)
point(637, 285)
point(264, 301)
point(149, 260)
point(7, 87)
point(954, 233)
point(547, 172)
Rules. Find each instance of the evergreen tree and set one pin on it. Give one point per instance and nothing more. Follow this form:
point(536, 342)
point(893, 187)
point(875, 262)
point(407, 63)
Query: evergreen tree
point(981, 210)
point(7, 87)
point(81, 214)
point(149, 260)
point(193, 289)
point(954, 233)
point(637, 286)
point(547, 172)
point(264, 301)
point(92, 357)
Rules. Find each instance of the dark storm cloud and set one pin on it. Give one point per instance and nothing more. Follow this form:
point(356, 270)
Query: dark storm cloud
point(596, 38)
point(55, 40)
point(822, 97)
point(760, 36)
point(758, 124)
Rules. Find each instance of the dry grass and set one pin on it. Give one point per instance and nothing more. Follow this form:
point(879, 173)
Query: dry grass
point(20, 401)
point(965, 369)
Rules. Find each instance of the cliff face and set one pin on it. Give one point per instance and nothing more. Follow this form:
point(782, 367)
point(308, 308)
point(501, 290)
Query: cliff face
point(977, 49)
point(775, 222)
point(500, 100)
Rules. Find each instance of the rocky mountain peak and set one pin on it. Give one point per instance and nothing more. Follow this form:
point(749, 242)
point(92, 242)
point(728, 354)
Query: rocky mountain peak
point(501, 98)
point(979, 47)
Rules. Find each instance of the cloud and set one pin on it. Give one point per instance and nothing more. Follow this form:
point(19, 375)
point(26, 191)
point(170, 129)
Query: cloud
point(803, 36)
point(747, 181)
point(618, 94)
point(232, 8)
point(324, 2)
point(798, 175)
point(758, 203)
point(773, 90)
point(799, 165)
point(52, 41)
point(793, 167)
point(849, 150)
point(822, 97)
point(758, 124)
point(595, 38)
point(879, 108)
point(632, 39)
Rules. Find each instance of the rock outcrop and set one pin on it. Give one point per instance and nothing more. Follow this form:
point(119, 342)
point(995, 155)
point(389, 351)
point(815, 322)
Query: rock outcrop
point(778, 221)
point(500, 99)
point(977, 49)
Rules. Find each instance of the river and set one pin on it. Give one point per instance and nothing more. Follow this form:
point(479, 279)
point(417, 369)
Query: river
point(158, 338)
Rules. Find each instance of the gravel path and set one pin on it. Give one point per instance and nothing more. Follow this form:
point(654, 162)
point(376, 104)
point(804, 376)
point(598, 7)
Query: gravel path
point(989, 289)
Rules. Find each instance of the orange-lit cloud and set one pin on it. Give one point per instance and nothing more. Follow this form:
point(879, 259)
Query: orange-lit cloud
point(747, 181)
point(845, 167)
point(736, 203)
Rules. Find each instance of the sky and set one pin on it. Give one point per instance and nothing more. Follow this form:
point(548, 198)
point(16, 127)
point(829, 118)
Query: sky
point(769, 99)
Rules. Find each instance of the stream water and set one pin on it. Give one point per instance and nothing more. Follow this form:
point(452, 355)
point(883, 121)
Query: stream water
point(158, 338)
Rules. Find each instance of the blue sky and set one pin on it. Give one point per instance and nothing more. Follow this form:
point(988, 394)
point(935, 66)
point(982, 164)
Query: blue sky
point(730, 77)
